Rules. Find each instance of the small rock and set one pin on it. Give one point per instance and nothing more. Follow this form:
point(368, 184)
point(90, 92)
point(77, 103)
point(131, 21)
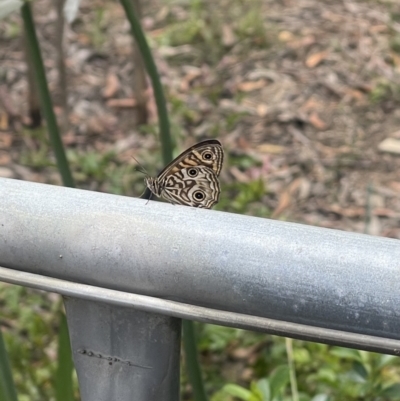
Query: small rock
point(390, 145)
point(6, 172)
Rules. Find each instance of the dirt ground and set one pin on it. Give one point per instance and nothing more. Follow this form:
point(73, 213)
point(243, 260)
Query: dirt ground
point(309, 90)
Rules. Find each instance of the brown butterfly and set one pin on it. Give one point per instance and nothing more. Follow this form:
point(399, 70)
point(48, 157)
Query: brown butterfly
point(192, 178)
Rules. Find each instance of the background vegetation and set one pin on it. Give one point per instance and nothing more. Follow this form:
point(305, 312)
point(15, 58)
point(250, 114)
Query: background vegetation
point(303, 96)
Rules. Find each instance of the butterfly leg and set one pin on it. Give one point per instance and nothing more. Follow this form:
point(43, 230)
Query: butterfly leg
point(148, 200)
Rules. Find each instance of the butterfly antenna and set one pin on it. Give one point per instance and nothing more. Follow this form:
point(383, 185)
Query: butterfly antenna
point(146, 191)
point(140, 168)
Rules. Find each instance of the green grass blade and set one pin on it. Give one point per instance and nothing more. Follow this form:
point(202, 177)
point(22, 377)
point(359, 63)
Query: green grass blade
point(137, 32)
point(64, 390)
point(192, 362)
point(189, 342)
point(63, 384)
point(44, 95)
point(7, 388)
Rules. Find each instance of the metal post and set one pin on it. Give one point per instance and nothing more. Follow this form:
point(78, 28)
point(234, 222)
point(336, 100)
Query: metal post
point(123, 354)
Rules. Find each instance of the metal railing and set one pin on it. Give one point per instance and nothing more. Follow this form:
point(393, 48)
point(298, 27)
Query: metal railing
point(130, 269)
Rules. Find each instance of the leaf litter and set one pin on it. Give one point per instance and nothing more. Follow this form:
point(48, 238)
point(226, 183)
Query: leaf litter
point(313, 86)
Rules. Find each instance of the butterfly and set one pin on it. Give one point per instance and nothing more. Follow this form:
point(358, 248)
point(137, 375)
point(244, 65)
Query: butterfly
point(192, 178)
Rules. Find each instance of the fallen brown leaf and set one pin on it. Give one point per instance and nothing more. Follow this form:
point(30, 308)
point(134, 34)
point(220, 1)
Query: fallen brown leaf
point(122, 103)
point(379, 28)
point(384, 212)
point(395, 58)
point(270, 148)
point(311, 104)
point(284, 202)
point(3, 121)
point(243, 143)
point(5, 159)
point(95, 125)
point(5, 140)
point(303, 42)
point(314, 59)
point(316, 122)
point(286, 36)
point(395, 185)
point(354, 94)
point(262, 110)
point(111, 87)
point(286, 197)
point(69, 138)
point(391, 233)
point(249, 86)
point(329, 152)
point(191, 75)
point(5, 172)
point(347, 211)
point(228, 36)
point(239, 175)
point(395, 134)
point(6, 101)
point(156, 32)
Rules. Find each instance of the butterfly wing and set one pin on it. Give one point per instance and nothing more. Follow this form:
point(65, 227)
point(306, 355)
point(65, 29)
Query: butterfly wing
point(192, 186)
point(207, 153)
point(192, 178)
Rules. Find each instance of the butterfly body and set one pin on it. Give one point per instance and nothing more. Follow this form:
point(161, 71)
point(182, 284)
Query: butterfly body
point(192, 178)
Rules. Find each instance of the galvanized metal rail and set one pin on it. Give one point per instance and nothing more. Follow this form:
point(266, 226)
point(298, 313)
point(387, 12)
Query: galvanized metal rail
point(129, 269)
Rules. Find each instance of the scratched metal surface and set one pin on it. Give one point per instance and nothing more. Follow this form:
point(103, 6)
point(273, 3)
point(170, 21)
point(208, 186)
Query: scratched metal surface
point(284, 271)
point(123, 354)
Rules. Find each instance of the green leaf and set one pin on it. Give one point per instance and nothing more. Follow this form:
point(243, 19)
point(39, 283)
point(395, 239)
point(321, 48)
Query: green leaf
point(302, 356)
point(360, 370)
point(255, 392)
point(327, 374)
point(392, 392)
point(7, 389)
point(237, 391)
point(63, 385)
point(192, 361)
point(385, 360)
point(265, 390)
point(346, 353)
point(221, 396)
point(320, 397)
point(278, 380)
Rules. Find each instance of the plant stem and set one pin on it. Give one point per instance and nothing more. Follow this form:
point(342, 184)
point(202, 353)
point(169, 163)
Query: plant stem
point(192, 362)
point(163, 121)
point(189, 341)
point(63, 382)
point(292, 371)
point(44, 95)
point(7, 387)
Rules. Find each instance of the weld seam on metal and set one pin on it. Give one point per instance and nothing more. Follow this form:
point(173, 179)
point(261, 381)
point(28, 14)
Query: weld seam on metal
point(192, 312)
